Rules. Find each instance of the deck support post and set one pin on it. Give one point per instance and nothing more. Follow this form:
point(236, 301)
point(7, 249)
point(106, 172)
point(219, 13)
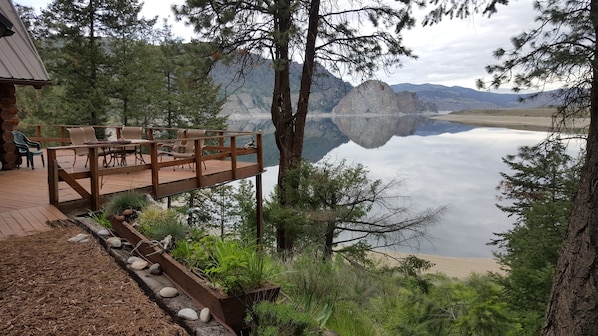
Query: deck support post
point(259, 210)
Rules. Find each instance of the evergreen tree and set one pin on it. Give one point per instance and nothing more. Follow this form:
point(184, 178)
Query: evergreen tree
point(539, 188)
point(341, 199)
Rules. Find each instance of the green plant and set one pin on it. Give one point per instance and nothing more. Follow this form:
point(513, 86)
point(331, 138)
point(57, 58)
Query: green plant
point(228, 264)
point(194, 254)
point(126, 200)
point(101, 219)
point(156, 223)
point(269, 319)
point(235, 267)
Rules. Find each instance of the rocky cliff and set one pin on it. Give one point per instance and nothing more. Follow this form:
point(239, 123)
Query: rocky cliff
point(376, 97)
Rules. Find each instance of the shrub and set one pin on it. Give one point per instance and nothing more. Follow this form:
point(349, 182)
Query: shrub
point(126, 200)
point(156, 223)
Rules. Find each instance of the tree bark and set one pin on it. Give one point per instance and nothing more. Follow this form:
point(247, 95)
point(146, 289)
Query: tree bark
point(281, 109)
point(573, 304)
point(290, 128)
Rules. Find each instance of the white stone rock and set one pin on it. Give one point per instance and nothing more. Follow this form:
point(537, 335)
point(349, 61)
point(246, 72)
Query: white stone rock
point(133, 259)
point(204, 315)
point(78, 237)
point(114, 242)
point(139, 265)
point(187, 314)
point(104, 232)
point(155, 269)
point(86, 240)
point(168, 292)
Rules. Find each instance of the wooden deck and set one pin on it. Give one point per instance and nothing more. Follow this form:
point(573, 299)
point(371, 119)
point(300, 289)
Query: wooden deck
point(24, 193)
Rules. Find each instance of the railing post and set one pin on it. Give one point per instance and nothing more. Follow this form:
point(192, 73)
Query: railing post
point(95, 178)
point(153, 149)
point(233, 155)
point(198, 160)
point(52, 177)
point(260, 151)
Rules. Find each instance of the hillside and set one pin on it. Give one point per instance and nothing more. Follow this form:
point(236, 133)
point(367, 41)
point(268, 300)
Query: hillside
point(251, 93)
point(458, 98)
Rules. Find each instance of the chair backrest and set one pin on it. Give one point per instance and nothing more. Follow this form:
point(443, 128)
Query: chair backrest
point(89, 133)
point(77, 135)
point(180, 142)
point(19, 138)
point(194, 133)
point(131, 132)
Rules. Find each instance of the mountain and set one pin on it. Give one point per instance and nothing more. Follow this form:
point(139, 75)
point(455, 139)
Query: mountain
point(250, 94)
point(458, 98)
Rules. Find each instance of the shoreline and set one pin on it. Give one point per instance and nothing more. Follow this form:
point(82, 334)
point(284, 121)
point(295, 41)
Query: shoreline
point(453, 267)
point(541, 120)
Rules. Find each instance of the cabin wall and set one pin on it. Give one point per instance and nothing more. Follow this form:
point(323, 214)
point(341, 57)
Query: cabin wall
point(8, 122)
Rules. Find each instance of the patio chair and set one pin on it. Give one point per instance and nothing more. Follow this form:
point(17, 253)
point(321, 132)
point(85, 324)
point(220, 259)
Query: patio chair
point(27, 148)
point(77, 135)
point(90, 134)
point(189, 147)
point(133, 133)
point(82, 136)
point(177, 146)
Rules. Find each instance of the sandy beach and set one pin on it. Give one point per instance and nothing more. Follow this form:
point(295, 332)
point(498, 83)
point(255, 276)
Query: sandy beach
point(451, 266)
point(522, 119)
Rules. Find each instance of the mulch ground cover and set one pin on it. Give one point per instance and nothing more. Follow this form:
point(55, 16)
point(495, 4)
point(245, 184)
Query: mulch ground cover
point(49, 286)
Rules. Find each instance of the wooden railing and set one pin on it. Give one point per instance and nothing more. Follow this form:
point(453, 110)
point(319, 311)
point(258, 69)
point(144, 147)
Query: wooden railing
point(220, 145)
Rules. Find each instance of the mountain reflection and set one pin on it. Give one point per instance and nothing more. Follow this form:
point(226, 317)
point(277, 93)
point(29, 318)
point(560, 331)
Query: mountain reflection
point(323, 134)
point(373, 132)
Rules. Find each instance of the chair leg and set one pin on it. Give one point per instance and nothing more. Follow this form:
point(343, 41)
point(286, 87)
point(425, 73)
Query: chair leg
point(43, 161)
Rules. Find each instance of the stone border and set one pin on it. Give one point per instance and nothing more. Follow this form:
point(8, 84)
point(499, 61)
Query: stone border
point(152, 284)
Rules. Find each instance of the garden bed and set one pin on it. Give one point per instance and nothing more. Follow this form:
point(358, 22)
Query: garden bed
point(229, 310)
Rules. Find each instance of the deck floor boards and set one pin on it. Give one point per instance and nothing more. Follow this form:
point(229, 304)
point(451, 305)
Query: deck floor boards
point(24, 196)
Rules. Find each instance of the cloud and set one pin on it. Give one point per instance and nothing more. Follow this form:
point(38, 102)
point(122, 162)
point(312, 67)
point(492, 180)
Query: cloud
point(454, 52)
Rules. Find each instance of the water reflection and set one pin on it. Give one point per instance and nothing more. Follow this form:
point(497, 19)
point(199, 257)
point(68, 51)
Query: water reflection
point(373, 132)
point(442, 163)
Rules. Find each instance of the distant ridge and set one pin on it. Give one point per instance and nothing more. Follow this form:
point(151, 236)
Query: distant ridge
point(457, 98)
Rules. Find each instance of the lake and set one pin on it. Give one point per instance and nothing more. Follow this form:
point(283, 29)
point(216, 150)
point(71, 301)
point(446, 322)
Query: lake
point(441, 163)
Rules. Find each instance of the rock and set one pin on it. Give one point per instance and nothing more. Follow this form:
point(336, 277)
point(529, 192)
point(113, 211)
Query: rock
point(330, 333)
point(127, 212)
point(139, 265)
point(187, 314)
point(86, 240)
point(104, 232)
point(114, 242)
point(133, 259)
point(78, 237)
point(155, 269)
point(119, 218)
point(204, 315)
point(168, 292)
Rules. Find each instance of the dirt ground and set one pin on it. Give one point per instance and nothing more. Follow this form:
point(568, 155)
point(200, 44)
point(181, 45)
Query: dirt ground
point(49, 286)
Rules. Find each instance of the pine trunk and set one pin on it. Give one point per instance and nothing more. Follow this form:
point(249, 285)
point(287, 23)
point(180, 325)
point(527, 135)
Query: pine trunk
point(573, 306)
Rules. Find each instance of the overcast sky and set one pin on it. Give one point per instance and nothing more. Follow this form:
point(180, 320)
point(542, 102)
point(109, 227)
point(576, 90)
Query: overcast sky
point(451, 53)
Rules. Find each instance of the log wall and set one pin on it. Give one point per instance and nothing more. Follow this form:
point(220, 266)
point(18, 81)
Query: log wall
point(8, 122)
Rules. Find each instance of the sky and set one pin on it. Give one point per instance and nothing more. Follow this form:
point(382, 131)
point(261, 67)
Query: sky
point(453, 53)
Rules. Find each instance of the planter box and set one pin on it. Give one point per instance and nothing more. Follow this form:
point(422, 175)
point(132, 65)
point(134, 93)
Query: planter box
point(229, 310)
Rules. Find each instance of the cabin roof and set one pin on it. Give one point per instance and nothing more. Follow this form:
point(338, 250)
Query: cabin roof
point(19, 61)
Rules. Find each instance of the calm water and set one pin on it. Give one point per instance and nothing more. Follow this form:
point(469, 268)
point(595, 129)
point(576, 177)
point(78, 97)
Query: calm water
point(441, 163)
